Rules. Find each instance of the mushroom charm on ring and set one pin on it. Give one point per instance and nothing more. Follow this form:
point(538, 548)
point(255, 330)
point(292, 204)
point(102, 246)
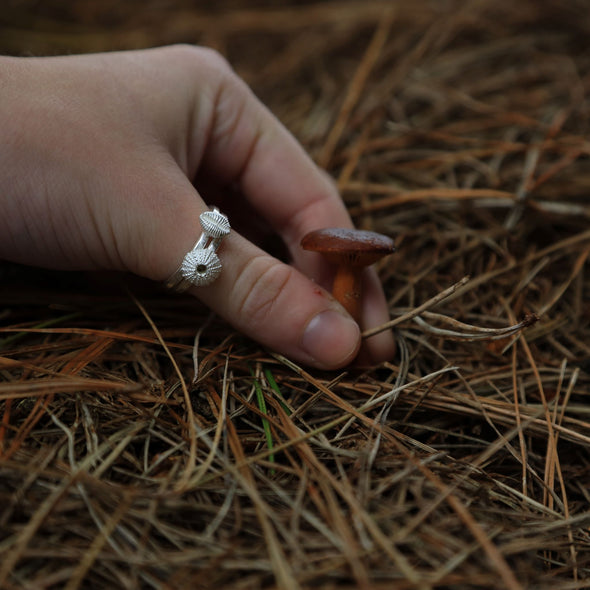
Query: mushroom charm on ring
point(201, 265)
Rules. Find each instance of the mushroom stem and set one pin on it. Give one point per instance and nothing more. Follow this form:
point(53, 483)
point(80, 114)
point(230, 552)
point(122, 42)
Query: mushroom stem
point(346, 289)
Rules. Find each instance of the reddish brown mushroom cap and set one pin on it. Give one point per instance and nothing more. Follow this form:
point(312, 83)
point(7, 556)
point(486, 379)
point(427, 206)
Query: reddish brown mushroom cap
point(348, 246)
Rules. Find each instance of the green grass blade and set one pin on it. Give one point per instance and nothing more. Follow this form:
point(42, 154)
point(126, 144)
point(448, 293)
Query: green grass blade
point(273, 385)
point(265, 423)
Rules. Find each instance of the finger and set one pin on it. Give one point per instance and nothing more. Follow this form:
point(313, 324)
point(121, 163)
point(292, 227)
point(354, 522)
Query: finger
point(279, 307)
point(380, 347)
point(248, 146)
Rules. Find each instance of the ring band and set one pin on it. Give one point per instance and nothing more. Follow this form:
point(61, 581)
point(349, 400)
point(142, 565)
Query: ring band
point(201, 265)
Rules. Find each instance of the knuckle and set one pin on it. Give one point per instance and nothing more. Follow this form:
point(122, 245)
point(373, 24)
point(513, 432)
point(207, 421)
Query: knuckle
point(214, 60)
point(228, 122)
point(261, 285)
point(201, 56)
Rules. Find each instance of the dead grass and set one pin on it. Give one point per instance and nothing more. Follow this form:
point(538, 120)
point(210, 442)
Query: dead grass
point(460, 129)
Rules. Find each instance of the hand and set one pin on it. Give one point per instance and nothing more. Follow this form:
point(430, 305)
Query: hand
point(109, 159)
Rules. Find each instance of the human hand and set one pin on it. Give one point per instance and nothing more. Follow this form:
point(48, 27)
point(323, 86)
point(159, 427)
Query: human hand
point(109, 159)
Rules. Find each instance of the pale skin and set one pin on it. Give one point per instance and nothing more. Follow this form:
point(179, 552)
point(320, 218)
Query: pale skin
point(109, 159)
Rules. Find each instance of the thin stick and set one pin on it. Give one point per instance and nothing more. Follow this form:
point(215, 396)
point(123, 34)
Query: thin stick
point(432, 302)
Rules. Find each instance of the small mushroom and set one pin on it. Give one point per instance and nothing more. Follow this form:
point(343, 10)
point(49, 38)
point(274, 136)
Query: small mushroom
point(350, 250)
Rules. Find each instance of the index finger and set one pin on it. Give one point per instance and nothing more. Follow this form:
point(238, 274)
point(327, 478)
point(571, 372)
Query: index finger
point(250, 147)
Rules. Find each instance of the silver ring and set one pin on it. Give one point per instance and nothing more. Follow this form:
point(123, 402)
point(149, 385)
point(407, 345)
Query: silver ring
point(201, 265)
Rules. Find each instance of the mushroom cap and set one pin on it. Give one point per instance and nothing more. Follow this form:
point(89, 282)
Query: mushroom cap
point(201, 267)
point(214, 223)
point(354, 247)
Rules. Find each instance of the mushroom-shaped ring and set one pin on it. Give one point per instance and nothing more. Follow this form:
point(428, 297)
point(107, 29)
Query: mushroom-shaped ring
point(201, 265)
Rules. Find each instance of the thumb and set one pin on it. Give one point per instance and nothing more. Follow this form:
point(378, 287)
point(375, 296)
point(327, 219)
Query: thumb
point(279, 307)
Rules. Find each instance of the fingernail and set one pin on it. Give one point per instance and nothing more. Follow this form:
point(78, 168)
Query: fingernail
point(331, 339)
